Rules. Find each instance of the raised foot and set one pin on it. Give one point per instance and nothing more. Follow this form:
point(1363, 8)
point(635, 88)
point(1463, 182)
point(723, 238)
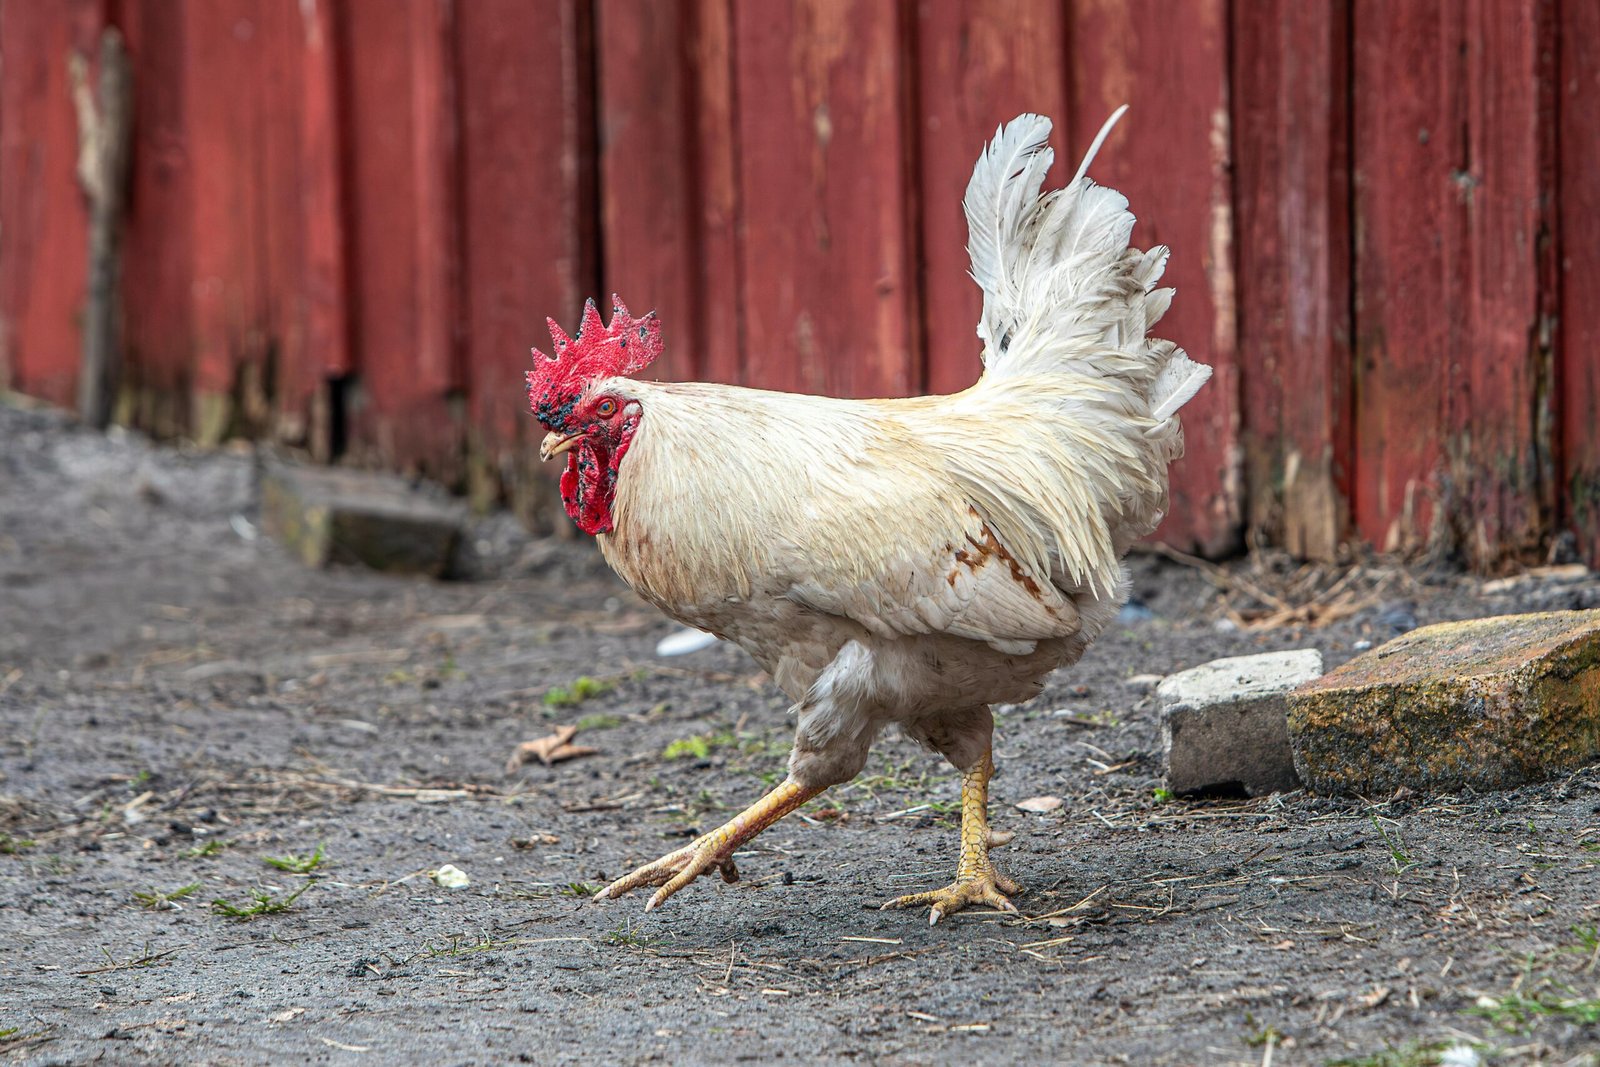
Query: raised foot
point(989, 889)
point(672, 872)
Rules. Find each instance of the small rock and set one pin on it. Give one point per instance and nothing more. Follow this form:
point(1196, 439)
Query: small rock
point(451, 877)
point(1487, 704)
point(1398, 617)
point(340, 516)
point(1223, 724)
point(1039, 805)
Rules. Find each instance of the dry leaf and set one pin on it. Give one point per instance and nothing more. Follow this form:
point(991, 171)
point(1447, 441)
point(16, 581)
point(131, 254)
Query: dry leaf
point(1039, 805)
point(551, 749)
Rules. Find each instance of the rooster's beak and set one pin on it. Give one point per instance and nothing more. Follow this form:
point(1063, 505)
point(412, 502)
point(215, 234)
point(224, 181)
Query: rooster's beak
point(555, 443)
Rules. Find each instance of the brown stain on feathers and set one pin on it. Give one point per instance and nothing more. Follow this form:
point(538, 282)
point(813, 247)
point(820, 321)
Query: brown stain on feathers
point(989, 547)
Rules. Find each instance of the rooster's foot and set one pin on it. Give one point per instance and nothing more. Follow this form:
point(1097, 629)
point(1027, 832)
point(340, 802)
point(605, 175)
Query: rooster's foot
point(988, 888)
point(677, 869)
point(672, 872)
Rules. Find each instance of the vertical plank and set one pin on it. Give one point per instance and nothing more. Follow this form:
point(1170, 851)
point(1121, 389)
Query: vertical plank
point(435, 167)
point(398, 133)
point(711, 71)
point(1171, 156)
point(43, 217)
point(321, 318)
point(1409, 286)
point(236, 144)
point(979, 63)
point(1502, 448)
point(1579, 371)
point(277, 397)
point(827, 281)
point(1452, 418)
point(1291, 139)
point(527, 242)
point(156, 285)
point(219, 73)
point(647, 146)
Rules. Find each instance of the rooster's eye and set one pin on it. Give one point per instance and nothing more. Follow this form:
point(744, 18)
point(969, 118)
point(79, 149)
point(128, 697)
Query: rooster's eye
point(606, 408)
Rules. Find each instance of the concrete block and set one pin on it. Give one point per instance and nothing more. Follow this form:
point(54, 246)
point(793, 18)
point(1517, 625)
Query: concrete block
point(1223, 724)
point(1486, 703)
point(326, 515)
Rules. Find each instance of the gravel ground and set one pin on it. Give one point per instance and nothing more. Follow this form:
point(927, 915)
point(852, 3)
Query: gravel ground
point(181, 703)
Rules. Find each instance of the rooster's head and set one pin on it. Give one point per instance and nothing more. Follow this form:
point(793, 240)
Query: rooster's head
point(576, 396)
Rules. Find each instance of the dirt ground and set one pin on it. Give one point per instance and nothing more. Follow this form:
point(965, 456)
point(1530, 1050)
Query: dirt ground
point(181, 702)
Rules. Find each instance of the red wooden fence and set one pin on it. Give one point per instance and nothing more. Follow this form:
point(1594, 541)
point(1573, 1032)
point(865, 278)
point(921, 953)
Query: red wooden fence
point(348, 219)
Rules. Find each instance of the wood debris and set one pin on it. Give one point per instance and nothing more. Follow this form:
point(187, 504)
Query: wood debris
point(550, 749)
point(1270, 590)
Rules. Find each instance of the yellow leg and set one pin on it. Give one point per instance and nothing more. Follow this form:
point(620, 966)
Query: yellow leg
point(677, 869)
point(977, 882)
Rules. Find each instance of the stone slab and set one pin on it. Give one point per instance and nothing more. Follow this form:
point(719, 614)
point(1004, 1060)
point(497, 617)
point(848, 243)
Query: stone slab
point(328, 515)
point(1482, 704)
point(1224, 723)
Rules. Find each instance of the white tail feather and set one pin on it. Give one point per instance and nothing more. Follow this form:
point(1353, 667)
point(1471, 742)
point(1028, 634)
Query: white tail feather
point(1099, 139)
point(1005, 183)
point(1176, 384)
point(1061, 289)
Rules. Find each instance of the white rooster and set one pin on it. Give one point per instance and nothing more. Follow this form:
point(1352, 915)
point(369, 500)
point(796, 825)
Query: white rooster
point(905, 561)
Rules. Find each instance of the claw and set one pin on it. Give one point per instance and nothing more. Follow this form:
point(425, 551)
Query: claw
point(988, 889)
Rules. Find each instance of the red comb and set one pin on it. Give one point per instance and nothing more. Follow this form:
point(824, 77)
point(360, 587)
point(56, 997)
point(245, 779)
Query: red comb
point(598, 351)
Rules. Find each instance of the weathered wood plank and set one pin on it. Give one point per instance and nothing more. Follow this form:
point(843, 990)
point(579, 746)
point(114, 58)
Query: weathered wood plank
point(649, 223)
point(1171, 156)
point(1579, 242)
point(398, 93)
point(1452, 422)
point(435, 166)
point(105, 133)
point(1502, 442)
point(979, 63)
point(225, 124)
point(721, 318)
point(827, 288)
point(1291, 141)
point(156, 302)
point(43, 273)
point(320, 324)
point(527, 237)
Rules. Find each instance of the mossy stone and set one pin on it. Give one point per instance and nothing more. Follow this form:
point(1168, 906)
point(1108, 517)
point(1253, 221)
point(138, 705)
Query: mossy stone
point(1486, 704)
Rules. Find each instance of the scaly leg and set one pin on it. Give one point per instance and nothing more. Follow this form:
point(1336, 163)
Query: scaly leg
point(677, 869)
point(977, 882)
